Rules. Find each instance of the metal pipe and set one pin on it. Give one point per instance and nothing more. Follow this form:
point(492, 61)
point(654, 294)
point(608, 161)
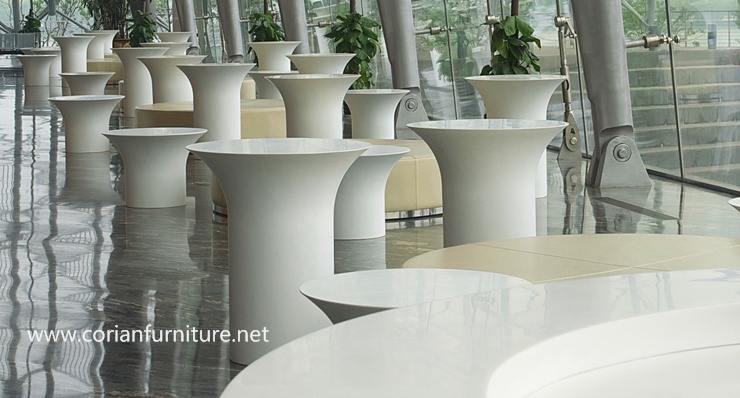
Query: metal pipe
point(398, 30)
point(228, 12)
point(17, 15)
point(65, 16)
point(185, 11)
point(616, 160)
point(293, 15)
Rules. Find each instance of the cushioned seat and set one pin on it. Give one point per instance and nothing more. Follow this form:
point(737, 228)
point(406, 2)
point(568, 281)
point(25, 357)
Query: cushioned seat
point(107, 65)
point(415, 183)
point(260, 118)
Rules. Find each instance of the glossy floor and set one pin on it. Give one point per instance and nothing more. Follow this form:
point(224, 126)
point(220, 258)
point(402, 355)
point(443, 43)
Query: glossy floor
point(73, 258)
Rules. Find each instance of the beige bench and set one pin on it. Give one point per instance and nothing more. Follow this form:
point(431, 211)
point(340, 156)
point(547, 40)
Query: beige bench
point(414, 186)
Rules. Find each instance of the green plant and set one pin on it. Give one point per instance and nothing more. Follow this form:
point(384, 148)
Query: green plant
point(264, 28)
point(356, 34)
point(31, 23)
point(141, 28)
point(510, 43)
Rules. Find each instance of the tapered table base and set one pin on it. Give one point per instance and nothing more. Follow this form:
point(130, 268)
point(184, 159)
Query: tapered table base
point(281, 231)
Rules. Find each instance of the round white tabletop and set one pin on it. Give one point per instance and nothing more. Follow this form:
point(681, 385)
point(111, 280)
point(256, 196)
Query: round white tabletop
point(354, 294)
point(735, 203)
point(450, 348)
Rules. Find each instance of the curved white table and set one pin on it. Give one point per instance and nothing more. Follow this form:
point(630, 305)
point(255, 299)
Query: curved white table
point(374, 112)
point(136, 76)
point(488, 169)
point(329, 64)
point(272, 55)
point(281, 230)
point(173, 36)
point(313, 103)
point(96, 48)
point(265, 88)
point(735, 203)
point(450, 348)
point(56, 65)
point(107, 39)
point(74, 52)
point(169, 84)
point(154, 160)
point(354, 294)
point(519, 97)
point(36, 69)
point(359, 212)
point(86, 117)
point(173, 47)
point(87, 83)
point(688, 353)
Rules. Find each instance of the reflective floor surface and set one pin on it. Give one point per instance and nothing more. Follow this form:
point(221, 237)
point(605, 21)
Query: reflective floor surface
point(74, 258)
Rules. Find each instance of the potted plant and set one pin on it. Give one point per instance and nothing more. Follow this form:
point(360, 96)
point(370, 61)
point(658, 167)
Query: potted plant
point(511, 41)
point(356, 34)
point(263, 27)
point(141, 28)
point(31, 24)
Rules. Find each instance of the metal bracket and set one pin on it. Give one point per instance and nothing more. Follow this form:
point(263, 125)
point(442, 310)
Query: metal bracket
point(410, 110)
point(620, 165)
point(571, 147)
point(433, 30)
point(652, 41)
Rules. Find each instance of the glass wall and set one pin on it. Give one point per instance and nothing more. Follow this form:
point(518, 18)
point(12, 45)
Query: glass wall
point(685, 97)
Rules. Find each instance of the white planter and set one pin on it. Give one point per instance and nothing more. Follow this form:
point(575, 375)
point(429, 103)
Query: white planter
point(85, 118)
point(519, 97)
point(176, 37)
point(374, 112)
point(281, 230)
point(154, 160)
point(272, 55)
point(36, 69)
point(360, 209)
point(216, 98)
point(488, 170)
point(136, 76)
point(313, 103)
point(96, 48)
point(56, 65)
point(74, 53)
point(87, 83)
point(107, 36)
point(328, 64)
point(265, 88)
point(173, 48)
point(169, 84)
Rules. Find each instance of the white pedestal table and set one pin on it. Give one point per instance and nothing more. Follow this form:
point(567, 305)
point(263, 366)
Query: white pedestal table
point(313, 103)
point(138, 82)
point(154, 160)
point(360, 209)
point(169, 84)
point(488, 169)
point(519, 97)
point(86, 117)
point(281, 230)
point(374, 112)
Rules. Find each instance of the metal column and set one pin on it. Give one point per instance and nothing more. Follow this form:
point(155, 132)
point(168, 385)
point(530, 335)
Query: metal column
point(293, 14)
point(228, 12)
point(616, 161)
point(400, 40)
point(185, 18)
point(17, 15)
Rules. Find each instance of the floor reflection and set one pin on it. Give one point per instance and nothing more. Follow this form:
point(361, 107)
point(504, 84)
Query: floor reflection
point(74, 258)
